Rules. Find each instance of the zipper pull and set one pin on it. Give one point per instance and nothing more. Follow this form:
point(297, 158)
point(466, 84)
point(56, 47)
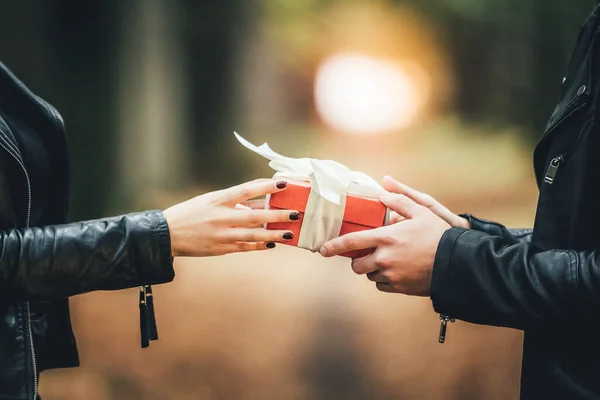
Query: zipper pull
point(553, 169)
point(153, 334)
point(144, 323)
point(445, 319)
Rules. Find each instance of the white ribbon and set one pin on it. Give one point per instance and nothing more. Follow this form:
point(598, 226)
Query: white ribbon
point(330, 181)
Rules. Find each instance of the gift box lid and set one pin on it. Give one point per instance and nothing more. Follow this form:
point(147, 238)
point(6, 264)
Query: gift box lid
point(359, 210)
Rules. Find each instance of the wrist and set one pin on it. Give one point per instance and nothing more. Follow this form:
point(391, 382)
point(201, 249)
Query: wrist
point(172, 236)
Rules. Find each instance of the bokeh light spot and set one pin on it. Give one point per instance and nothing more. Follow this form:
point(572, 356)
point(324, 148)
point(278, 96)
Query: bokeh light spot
point(361, 94)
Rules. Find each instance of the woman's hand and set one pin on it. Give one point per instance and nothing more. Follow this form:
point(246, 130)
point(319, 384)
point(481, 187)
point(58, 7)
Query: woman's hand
point(422, 199)
point(226, 221)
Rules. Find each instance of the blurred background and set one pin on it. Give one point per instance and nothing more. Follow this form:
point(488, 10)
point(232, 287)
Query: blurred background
point(448, 96)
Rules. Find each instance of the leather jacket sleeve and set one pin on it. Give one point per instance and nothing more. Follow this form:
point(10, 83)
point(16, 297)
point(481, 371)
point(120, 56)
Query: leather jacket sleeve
point(494, 280)
point(64, 260)
point(494, 228)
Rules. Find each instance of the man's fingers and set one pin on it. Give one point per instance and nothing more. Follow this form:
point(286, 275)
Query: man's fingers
point(364, 264)
point(256, 235)
point(351, 241)
point(392, 185)
point(401, 204)
point(377, 276)
point(250, 190)
point(395, 218)
point(385, 287)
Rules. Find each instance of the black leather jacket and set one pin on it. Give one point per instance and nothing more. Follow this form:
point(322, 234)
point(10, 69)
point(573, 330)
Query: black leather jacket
point(546, 281)
point(41, 266)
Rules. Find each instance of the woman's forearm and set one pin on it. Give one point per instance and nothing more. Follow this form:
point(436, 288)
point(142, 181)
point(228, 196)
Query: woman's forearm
point(58, 261)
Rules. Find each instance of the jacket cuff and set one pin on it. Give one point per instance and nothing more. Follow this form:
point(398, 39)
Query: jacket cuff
point(159, 266)
point(443, 277)
point(483, 225)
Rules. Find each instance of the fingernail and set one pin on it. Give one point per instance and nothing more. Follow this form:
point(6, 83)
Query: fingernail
point(288, 236)
point(295, 216)
point(323, 251)
point(270, 245)
point(281, 185)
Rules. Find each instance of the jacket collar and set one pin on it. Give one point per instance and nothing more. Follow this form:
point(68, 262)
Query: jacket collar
point(7, 140)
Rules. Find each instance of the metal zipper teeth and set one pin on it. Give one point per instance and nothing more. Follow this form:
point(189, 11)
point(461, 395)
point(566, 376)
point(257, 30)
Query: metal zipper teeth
point(59, 124)
point(27, 306)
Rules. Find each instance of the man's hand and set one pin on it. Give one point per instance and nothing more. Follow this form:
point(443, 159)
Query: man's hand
point(404, 252)
point(392, 185)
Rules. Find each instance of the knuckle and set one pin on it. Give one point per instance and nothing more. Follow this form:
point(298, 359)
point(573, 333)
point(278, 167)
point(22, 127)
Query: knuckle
point(249, 237)
point(257, 246)
point(404, 200)
point(386, 273)
point(388, 239)
point(349, 240)
point(245, 191)
point(383, 262)
point(255, 218)
point(400, 199)
point(331, 247)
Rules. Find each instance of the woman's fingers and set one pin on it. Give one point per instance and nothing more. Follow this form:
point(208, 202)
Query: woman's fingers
point(249, 190)
point(242, 247)
point(253, 218)
point(256, 235)
point(258, 204)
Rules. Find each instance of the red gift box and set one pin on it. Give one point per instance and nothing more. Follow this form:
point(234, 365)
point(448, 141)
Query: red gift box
point(360, 214)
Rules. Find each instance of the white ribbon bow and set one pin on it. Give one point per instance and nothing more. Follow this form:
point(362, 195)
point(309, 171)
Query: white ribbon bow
point(330, 182)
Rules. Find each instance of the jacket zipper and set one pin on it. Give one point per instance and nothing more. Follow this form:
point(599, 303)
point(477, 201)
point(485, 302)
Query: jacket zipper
point(574, 106)
point(443, 325)
point(59, 126)
point(553, 169)
point(27, 305)
point(557, 161)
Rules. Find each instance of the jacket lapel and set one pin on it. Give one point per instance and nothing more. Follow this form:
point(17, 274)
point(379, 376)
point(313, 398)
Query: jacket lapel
point(8, 142)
